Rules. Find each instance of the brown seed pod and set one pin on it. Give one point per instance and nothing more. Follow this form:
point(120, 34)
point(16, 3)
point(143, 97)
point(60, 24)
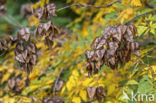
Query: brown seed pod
point(12, 40)
point(115, 46)
point(26, 55)
point(57, 100)
point(46, 12)
point(51, 9)
point(48, 30)
point(24, 34)
point(59, 85)
point(91, 91)
point(53, 100)
point(2, 10)
point(48, 100)
point(17, 84)
point(3, 45)
point(94, 59)
point(100, 93)
point(26, 10)
point(2, 2)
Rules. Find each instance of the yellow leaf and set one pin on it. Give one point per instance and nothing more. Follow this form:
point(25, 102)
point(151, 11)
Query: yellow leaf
point(111, 89)
point(69, 85)
point(5, 77)
point(108, 102)
point(83, 95)
point(87, 81)
point(136, 3)
point(76, 100)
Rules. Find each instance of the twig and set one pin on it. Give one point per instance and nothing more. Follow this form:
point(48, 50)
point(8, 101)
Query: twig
point(83, 5)
point(7, 19)
point(57, 79)
point(144, 14)
point(86, 6)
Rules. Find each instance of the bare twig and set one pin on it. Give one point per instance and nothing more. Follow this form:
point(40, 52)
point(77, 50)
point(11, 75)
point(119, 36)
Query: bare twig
point(86, 5)
point(144, 14)
point(57, 79)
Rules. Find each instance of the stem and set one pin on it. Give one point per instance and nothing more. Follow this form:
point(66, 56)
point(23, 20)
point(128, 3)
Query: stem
point(86, 6)
point(143, 14)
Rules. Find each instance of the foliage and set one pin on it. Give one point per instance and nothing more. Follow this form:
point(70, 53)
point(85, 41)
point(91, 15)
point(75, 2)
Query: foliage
point(66, 61)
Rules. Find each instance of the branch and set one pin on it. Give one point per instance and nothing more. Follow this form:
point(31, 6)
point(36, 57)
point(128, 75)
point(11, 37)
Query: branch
point(86, 6)
point(60, 72)
point(144, 14)
point(57, 79)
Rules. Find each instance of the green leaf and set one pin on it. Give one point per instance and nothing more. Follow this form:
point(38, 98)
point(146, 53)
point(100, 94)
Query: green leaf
point(132, 82)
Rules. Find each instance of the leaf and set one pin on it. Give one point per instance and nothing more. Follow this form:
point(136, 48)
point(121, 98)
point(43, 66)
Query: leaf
point(141, 29)
point(132, 82)
point(91, 91)
point(83, 95)
point(145, 85)
point(111, 89)
point(76, 100)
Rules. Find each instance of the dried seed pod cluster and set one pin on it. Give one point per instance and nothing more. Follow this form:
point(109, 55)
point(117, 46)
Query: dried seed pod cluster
point(48, 30)
point(4, 44)
point(98, 92)
point(26, 51)
point(2, 7)
point(114, 47)
point(26, 10)
point(17, 84)
point(46, 12)
point(54, 100)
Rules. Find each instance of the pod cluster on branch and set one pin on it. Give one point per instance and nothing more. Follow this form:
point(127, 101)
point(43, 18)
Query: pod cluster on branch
point(98, 92)
point(25, 50)
point(46, 12)
point(26, 10)
point(48, 30)
point(6, 43)
point(17, 84)
point(114, 47)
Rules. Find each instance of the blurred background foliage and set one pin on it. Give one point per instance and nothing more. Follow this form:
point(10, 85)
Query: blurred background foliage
point(66, 61)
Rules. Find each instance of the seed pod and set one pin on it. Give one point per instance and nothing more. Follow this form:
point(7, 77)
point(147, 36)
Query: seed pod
point(46, 12)
point(48, 30)
point(17, 84)
point(51, 9)
point(48, 100)
point(26, 55)
point(59, 85)
point(12, 40)
point(57, 100)
point(115, 46)
point(2, 10)
point(26, 10)
point(91, 92)
point(24, 34)
point(2, 2)
point(3, 45)
point(100, 93)
point(53, 100)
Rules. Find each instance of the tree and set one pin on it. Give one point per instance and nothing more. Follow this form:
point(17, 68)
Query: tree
point(71, 40)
